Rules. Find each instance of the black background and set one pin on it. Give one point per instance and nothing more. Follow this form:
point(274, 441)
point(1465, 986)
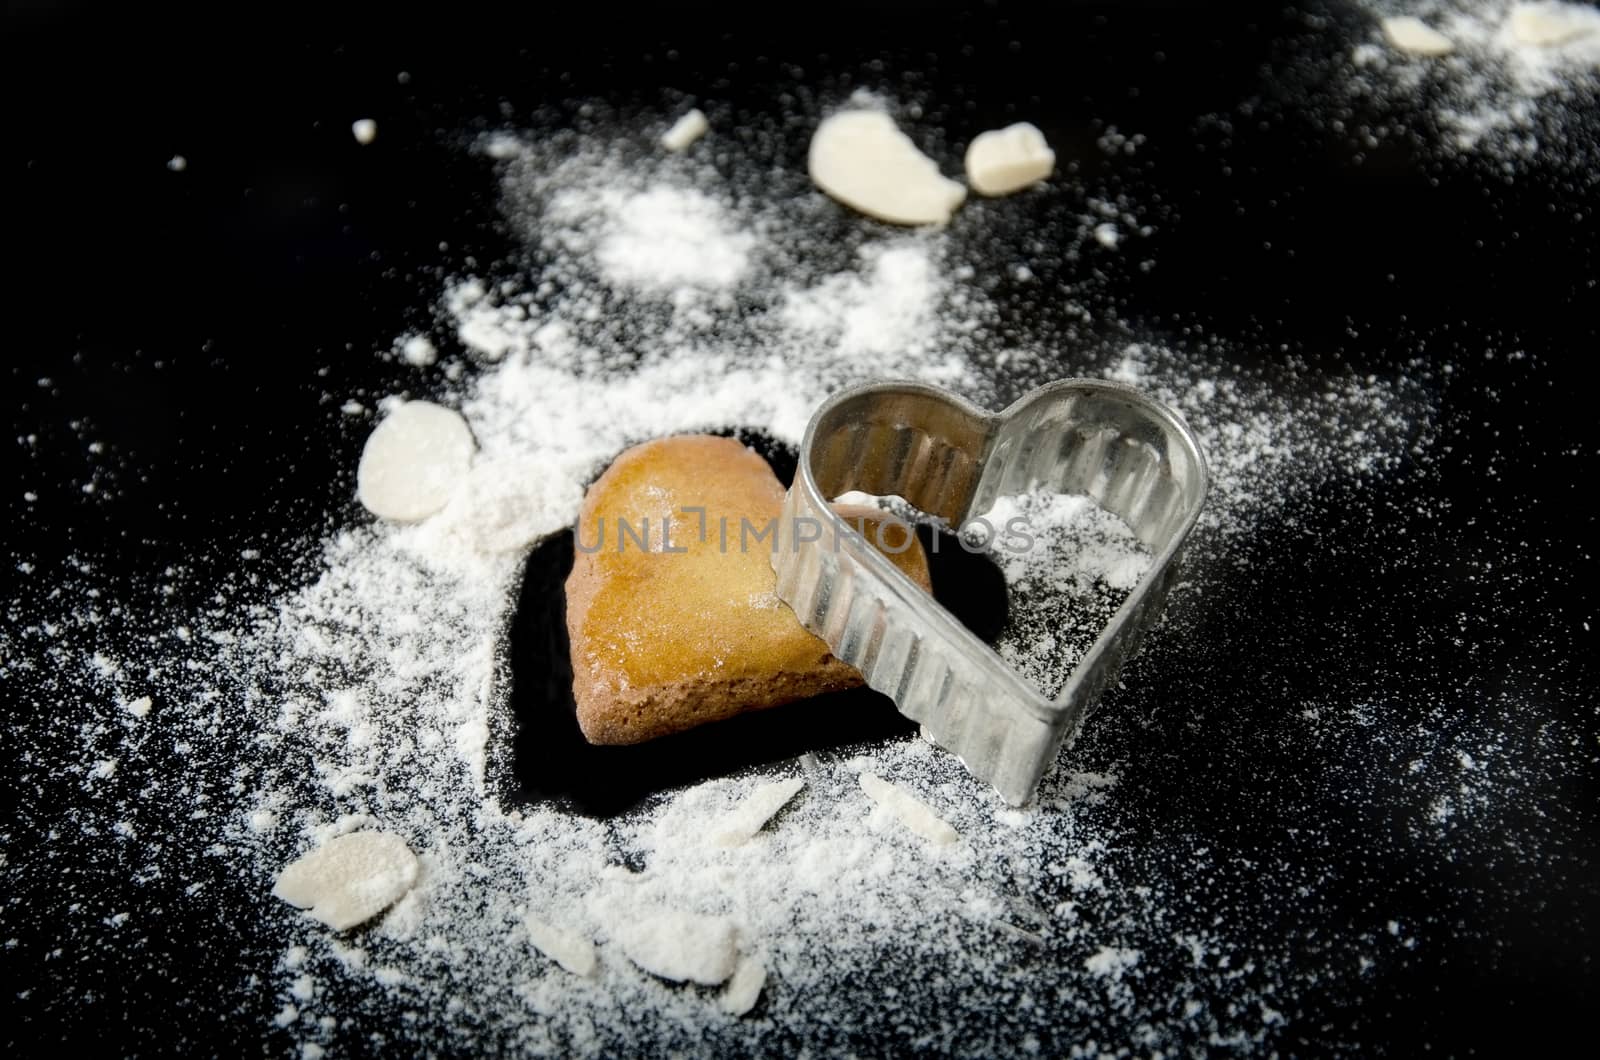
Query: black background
point(199, 321)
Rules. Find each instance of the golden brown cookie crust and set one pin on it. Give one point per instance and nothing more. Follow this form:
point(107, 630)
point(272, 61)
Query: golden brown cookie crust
point(664, 641)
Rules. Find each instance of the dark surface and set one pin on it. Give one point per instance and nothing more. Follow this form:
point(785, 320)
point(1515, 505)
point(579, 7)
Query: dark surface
point(198, 322)
point(547, 758)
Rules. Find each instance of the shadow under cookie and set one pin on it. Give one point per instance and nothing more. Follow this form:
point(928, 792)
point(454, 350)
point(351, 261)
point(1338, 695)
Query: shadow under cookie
point(538, 754)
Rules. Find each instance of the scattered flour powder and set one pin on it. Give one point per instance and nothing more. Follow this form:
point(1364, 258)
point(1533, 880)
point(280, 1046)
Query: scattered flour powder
point(656, 296)
point(1504, 90)
point(569, 377)
point(1067, 576)
point(661, 238)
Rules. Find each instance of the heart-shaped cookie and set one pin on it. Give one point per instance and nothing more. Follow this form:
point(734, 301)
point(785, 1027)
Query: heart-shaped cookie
point(1129, 453)
point(671, 605)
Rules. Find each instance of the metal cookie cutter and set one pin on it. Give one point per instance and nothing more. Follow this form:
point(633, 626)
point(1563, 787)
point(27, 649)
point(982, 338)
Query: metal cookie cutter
point(1132, 455)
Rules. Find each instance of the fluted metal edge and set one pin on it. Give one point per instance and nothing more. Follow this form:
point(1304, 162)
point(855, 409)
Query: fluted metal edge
point(1133, 455)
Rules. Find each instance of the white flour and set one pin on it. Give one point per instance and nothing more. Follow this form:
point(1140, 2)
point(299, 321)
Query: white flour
point(659, 297)
point(567, 391)
point(1080, 563)
point(1497, 94)
point(662, 239)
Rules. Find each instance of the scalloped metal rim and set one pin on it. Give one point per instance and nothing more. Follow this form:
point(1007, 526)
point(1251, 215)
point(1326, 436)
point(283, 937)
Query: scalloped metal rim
point(1133, 455)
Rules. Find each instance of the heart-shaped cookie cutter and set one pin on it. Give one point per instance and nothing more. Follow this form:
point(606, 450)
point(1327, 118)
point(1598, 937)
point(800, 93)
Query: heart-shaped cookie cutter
point(1132, 455)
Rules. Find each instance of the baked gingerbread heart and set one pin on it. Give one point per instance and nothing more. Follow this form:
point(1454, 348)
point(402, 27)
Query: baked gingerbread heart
point(664, 640)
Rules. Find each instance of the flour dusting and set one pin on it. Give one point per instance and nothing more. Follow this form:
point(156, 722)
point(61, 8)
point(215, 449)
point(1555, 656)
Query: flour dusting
point(361, 688)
